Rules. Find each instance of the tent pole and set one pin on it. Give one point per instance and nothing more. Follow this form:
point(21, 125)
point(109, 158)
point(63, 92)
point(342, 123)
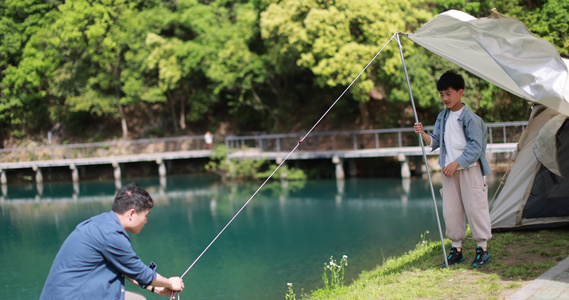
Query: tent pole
point(422, 148)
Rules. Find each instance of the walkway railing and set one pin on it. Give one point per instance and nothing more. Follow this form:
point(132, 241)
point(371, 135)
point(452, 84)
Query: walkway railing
point(103, 149)
point(503, 132)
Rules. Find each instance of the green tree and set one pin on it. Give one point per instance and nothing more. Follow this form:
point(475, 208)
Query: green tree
point(93, 38)
point(201, 54)
point(75, 62)
point(22, 93)
point(336, 39)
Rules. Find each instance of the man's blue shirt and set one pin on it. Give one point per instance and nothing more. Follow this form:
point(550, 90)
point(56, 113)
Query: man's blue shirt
point(92, 261)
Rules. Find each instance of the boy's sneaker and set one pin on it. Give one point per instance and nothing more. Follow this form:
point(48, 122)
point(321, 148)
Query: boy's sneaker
point(454, 257)
point(482, 258)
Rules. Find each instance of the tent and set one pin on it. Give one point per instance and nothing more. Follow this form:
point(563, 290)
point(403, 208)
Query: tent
point(536, 192)
point(504, 52)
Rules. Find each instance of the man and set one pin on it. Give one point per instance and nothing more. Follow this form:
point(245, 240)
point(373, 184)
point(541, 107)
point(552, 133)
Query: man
point(97, 256)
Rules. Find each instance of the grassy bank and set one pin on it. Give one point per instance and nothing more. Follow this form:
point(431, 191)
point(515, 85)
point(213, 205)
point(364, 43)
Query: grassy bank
point(517, 258)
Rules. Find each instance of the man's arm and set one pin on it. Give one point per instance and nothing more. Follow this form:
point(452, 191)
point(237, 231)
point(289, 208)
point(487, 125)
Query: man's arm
point(163, 286)
point(120, 254)
point(175, 284)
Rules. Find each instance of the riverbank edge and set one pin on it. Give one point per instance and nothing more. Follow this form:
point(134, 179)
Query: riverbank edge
point(518, 257)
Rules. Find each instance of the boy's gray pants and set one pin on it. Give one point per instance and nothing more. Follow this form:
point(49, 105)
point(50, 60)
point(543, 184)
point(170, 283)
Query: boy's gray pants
point(465, 195)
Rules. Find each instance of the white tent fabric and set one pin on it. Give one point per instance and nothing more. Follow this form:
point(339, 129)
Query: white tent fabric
point(507, 214)
point(545, 147)
point(502, 51)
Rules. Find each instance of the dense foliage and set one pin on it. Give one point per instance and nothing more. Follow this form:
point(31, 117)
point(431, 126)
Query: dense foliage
point(96, 69)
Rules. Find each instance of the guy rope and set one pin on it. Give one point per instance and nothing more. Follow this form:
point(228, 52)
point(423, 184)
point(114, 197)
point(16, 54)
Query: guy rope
point(395, 35)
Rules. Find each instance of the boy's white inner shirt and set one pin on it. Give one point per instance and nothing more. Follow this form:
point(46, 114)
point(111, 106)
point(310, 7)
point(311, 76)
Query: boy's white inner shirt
point(455, 141)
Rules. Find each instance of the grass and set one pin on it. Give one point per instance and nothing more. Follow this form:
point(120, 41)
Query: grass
point(517, 258)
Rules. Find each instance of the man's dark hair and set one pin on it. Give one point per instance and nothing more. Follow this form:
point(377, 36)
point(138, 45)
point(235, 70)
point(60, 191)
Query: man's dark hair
point(132, 196)
point(450, 79)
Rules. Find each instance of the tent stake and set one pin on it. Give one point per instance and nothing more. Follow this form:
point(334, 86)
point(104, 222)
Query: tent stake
point(422, 148)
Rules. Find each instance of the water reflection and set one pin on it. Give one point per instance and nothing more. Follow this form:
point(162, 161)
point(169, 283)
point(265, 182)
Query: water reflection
point(23, 192)
point(406, 185)
point(4, 190)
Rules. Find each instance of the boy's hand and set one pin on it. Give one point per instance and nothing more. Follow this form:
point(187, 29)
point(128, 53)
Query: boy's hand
point(450, 169)
point(418, 127)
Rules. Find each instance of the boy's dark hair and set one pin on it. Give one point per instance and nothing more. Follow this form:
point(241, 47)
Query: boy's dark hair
point(450, 79)
point(132, 196)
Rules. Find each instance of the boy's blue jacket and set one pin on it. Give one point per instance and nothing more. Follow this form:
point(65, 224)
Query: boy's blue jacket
point(476, 139)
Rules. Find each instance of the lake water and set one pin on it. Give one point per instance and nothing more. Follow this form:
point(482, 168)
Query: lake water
point(285, 235)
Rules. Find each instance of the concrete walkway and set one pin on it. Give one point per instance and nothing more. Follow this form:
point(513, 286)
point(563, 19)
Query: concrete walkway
point(553, 284)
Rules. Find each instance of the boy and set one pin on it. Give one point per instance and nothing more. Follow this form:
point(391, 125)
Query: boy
point(461, 136)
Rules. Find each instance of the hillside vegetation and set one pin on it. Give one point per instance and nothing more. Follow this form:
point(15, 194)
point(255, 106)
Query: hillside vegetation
point(91, 70)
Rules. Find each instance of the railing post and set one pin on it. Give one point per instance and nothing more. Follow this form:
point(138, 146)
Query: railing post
point(355, 141)
point(39, 177)
point(117, 171)
point(161, 168)
point(333, 142)
point(74, 173)
point(376, 135)
point(3, 177)
point(405, 171)
point(338, 162)
point(4, 189)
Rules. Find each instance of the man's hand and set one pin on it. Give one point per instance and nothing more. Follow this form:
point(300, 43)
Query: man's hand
point(167, 286)
point(163, 291)
point(449, 170)
point(176, 283)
